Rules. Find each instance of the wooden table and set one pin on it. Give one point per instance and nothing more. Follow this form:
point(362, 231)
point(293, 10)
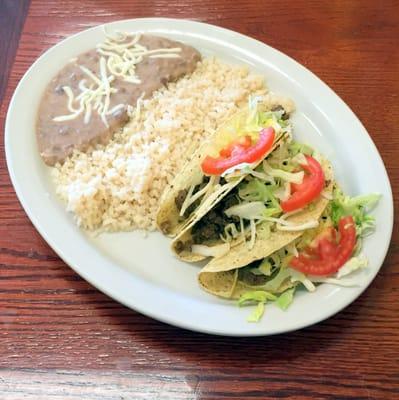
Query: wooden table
point(62, 339)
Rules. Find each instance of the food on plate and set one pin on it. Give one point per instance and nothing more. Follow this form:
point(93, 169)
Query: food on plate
point(118, 186)
point(118, 123)
point(251, 187)
point(283, 259)
point(243, 140)
point(281, 224)
point(90, 98)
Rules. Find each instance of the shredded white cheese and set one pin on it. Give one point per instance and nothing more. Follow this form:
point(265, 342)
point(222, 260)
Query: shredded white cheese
point(307, 225)
point(119, 59)
point(293, 177)
point(284, 225)
point(242, 230)
point(190, 198)
point(231, 233)
point(253, 234)
point(299, 159)
point(283, 193)
point(211, 251)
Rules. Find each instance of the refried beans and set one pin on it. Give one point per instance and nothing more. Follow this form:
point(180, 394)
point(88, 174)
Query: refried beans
point(57, 140)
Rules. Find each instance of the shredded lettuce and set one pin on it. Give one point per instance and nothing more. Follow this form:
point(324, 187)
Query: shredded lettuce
point(252, 124)
point(256, 271)
point(299, 159)
point(255, 190)
point(265, 267)
point(294, 148)
point(283, 193)
point(247, 210)
point(353, 264)
point(285, 299)
point(297, 276)
point(257, 173)
point(260, 298)
point(258, 120)
point(257, 313)
point(292, 177)
point(274, 284)
point(357, 207)
point(255, 296)
point(279, 155)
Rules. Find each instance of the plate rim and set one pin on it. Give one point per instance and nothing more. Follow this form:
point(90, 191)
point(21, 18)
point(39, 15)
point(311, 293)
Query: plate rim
point(137, 307)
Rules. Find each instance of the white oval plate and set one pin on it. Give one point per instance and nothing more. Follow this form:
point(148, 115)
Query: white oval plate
point(141, 272)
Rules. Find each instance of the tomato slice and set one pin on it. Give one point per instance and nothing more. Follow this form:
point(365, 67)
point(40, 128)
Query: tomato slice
point(237, 153)
point(310, 188)
point(325, 256)
point(242, 143)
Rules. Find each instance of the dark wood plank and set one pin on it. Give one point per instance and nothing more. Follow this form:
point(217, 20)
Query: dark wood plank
point(61, 338)
point(12, 17)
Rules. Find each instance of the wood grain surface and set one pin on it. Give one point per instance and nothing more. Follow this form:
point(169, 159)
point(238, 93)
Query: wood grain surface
point(62, 339)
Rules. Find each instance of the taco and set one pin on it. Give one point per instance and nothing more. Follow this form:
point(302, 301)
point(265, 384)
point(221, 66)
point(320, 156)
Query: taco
point(234, 273)
point(208, 176)
point(281, 262)
point(289, 178)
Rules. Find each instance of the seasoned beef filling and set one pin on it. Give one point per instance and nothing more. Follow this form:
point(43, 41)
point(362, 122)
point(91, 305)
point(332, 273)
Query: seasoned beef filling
point(245, 275)
point(212, 224)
